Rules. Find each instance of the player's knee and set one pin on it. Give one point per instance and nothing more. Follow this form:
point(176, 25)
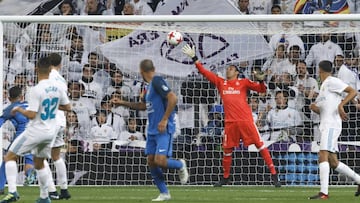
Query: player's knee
point(160, 161)
point(55, 153)
point(38, 163)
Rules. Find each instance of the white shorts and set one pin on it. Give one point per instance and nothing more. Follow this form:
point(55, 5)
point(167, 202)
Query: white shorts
point(36, 143)
point(329, 139)
point(59, 139)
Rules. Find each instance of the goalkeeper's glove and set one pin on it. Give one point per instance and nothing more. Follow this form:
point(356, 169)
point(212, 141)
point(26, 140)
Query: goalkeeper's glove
point(190, 51)
point(259, 76)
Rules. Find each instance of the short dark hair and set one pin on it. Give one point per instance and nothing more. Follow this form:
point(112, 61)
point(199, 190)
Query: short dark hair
point(55, 59)
point(43, 65)
point(147, 65)
point(326, 66)
point(15, 92)
point(275, 6)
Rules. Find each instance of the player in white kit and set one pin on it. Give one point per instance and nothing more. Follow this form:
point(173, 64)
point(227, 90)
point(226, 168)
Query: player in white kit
point(45, 100)
point(61, 173)
point(330, 106)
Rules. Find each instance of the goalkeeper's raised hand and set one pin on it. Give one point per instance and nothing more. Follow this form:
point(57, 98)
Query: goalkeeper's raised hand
point(259, 76)
point(190, 51)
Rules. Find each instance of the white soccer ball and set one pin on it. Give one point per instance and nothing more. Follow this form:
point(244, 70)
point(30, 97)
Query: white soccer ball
point(174, 37)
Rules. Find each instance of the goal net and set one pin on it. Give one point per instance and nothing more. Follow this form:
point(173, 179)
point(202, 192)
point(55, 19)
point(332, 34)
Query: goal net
point(100, 60)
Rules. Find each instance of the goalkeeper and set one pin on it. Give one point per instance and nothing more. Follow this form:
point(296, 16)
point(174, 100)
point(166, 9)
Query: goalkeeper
point(239, 123)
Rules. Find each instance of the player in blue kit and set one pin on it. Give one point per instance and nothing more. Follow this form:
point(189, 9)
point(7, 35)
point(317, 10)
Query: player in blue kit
point(19, 122)
point(160, 102)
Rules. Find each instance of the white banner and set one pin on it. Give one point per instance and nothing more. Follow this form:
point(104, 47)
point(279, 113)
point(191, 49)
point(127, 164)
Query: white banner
point(214, 50)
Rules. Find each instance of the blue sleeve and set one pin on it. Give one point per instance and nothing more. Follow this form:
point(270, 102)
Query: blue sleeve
point(160, 86)
point(2, 121)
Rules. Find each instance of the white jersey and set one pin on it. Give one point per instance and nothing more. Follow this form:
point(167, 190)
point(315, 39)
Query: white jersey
point(55, 75)
point(45, 99)
point(349, 76)
point(328, 101)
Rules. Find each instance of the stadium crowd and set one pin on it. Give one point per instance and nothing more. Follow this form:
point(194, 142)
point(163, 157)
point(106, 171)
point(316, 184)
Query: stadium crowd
point(96, 124)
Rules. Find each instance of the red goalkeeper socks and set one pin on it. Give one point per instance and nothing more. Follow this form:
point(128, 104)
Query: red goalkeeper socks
point(268, 160)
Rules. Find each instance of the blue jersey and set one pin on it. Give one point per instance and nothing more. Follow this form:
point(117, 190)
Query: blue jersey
point(18, 120)
point(156, 104)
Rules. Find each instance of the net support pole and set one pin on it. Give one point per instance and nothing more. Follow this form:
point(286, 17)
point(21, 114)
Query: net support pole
point(1, 83)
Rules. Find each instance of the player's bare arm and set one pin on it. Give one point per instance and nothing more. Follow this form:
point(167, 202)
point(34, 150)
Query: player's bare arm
point(131, 105)
point(172, 101)
point(314, 108)
point(66, 107)
point(351, 94)
point(27, 113)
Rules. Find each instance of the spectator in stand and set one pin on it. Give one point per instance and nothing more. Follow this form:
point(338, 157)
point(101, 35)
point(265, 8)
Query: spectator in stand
point(131, 134)
point(119, 6)
point(103, 74)
point(82, 106)
point(13, 63)
point(115, 121)
point(308, 87)
point(128, 9)
point(67, 8)
point(118, 109)
point(294, 56)
point(338, 62)
point(77, 52)
point(274, 27)
point(141, 7)
point(348, 71)
point(94, 7)
point(243, 6)
point(285, 82)
point(93, 90)
point(288, 39)
point(213, 131)
point(73, 133)
point(283, 120)
point(324, 50)
point(258, 114)
point(118, 83)
point(287, 6)
point(279, 63)
point(101, 134)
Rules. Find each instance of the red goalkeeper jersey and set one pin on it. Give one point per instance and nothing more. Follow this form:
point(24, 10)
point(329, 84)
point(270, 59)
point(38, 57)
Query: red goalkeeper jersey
point(233, 94)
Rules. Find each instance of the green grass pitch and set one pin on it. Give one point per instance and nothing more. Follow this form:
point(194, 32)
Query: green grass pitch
point(195, 194)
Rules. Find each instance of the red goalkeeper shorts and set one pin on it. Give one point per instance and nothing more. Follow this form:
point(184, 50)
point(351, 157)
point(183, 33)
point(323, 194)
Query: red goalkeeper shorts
point(241, 130)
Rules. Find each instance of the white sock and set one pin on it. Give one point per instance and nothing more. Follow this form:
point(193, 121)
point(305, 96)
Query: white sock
point(344, 169)
point(11, 175)
point(324, 169)
point(51, 184)
point(43, 176)
point(61, 173)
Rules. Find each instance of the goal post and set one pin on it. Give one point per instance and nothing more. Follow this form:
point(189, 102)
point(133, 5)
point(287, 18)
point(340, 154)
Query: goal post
point(111, 47)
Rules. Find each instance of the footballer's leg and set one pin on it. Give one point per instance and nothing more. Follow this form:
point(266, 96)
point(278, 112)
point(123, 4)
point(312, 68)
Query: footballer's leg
point(43, 176)
point(29, 170)
point(324, 170)
point(60, 172)
point(53, 195)
point(11, 172)
point(226, 164)
point(344, 169)
point(155, 171)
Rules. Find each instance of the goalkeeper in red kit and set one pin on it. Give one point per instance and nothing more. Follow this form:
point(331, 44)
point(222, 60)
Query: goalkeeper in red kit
point(239, 123)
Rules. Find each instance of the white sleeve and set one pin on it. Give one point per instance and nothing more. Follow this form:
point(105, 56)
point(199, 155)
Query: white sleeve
point(34, 100)
point(338, 86)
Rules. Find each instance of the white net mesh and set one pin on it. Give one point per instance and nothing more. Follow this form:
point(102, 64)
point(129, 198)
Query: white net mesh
point(100, 61)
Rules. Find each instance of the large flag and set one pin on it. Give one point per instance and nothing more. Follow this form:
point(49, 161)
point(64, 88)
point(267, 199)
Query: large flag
point(214, 47)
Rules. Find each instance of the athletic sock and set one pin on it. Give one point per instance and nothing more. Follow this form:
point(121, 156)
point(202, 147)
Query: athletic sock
point(158, 177)
point(268, 160)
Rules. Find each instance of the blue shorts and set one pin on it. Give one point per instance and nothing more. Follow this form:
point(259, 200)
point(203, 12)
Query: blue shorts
point(159, 144)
